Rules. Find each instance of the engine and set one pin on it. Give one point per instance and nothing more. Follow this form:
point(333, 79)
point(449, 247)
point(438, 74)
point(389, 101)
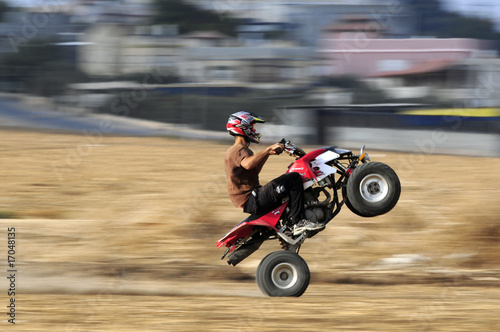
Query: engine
point(316, 210)
point(316, 214)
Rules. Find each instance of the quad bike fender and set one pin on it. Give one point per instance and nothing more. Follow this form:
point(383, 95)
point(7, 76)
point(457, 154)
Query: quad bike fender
point(245, 228)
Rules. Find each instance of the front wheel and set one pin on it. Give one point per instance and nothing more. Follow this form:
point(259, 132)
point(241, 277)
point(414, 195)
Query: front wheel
point(348, 203)
point(373, 189)
point(283, 273)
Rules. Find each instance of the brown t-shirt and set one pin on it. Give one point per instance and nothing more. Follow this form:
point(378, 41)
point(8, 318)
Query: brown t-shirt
point(240, 182)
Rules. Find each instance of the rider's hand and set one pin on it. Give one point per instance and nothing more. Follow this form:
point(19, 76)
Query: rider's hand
point(276, 149)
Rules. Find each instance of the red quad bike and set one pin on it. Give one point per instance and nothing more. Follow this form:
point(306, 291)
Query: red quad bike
point(332, 177)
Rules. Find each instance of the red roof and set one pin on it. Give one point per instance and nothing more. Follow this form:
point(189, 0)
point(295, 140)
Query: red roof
point(354, 23)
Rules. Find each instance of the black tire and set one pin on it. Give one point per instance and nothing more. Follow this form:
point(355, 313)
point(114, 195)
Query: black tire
point(373, 189)
point(348, 203)
point(283, 273)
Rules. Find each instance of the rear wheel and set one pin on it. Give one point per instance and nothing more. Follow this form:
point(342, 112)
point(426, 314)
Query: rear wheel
point(283, 273)
point(373, 189)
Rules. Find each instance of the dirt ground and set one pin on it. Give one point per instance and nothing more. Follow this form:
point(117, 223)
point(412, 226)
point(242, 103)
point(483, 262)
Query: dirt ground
point(118, 234)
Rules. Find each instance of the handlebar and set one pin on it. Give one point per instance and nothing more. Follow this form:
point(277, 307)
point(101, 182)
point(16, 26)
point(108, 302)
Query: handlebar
point(292, 149)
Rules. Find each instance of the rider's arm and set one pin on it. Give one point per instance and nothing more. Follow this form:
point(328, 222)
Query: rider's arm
point(258, 160)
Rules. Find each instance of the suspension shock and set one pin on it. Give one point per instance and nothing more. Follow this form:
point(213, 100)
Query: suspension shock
point(284, 245)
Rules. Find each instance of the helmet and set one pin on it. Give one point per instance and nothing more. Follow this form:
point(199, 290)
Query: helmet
point(242, 124)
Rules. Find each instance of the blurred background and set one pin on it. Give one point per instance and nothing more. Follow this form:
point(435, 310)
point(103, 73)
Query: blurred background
point(311, 68)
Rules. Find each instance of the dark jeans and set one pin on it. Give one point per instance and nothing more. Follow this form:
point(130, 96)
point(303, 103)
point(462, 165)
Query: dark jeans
point(270, 196)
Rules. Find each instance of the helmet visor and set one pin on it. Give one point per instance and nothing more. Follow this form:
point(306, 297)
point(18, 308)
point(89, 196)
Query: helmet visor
point(252, 133)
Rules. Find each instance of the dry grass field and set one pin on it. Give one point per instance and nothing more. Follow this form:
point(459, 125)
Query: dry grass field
point(118, 234)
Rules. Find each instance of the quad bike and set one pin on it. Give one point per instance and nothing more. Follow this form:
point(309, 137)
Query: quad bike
point(332, 177)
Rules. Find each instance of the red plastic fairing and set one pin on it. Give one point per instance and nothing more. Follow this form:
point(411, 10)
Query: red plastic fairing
point(303, 165)
point(244, 228)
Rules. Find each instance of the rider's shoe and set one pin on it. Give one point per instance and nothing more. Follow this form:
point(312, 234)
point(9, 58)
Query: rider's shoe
point(307, 225)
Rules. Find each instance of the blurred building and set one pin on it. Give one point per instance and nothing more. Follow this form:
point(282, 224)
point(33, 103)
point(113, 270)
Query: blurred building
point(360, 46)
point(204, 56)
point(278, 42)
point(307, 18)
point(466, 82)
point(405, 68)
point(287, 64)
point(118, 49)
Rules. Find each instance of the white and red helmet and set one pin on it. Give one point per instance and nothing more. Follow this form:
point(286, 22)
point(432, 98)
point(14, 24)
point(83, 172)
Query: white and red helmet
point(242, 124)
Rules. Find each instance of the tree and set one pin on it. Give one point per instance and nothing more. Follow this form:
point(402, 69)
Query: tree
point(39, 67)
point(434, 20)
point(4, 8)
point(191, 18)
